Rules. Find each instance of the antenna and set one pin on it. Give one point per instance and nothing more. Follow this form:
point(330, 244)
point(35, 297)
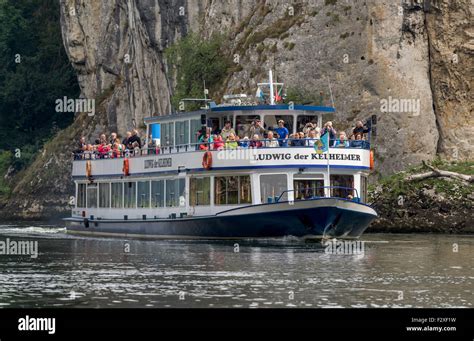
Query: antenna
point(330, 92)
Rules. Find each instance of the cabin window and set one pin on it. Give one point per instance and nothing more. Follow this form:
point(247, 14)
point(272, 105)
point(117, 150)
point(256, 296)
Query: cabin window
point(271, 122)
point(308, 188)
point(81, 195)
point(200, 191)
point(344, 184)
point(363, 188)
point(91, 195)
point(182, 133)
point(303, 120)
point(158, 193)
point(143, 197)
point(117, 195)
point(243, 123)
point(232, 190)
point(167, 132)
point(104, 195)
point(195, 129)
point(130, 194)
point(175, 193)
point(272, 186)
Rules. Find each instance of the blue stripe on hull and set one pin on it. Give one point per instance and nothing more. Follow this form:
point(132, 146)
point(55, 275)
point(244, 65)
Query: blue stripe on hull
point(316, 221)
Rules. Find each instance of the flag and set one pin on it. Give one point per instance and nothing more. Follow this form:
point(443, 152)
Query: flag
point(260, 94)
point(322, 145)
point(278, 95)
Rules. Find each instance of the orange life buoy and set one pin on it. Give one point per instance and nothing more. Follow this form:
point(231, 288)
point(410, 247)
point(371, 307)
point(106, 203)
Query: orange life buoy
point(207, 160)
point(126, 167)
point(88, 168)
point(371, 160)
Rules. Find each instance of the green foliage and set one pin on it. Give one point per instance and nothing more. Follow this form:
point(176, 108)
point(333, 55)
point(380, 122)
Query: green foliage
point(330, 2)
point(300, 96)
point(196, 61)
point(35, 72)
point(395, 185)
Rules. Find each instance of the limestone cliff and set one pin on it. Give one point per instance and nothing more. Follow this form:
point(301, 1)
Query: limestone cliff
point(369, 50)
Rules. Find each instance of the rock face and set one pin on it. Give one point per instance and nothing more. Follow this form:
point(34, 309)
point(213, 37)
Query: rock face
point(379, 57)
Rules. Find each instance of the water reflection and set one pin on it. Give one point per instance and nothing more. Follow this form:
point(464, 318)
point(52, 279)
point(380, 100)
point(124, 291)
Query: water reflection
point(394, 271)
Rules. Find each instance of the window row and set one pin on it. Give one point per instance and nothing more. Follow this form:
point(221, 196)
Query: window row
point(141, 194)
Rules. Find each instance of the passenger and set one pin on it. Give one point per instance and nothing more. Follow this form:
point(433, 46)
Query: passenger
point(245, 142)
point(257, 129)
point(218, 142)
point(357, 140)
point(231, 142)
point(297, 141)
point(271, 142)
point(135, 138)
point(328, 128)
point(118, 148)
point(360, 128)
point(126, 139)
point(215, 129)
point(308, 127)
point(136, 148)
point(227, 130)
point(205, 143)
point(80, 148)
point(317, 130)
point(255, 142)
point(342, 142)
point(311, 139)
point(112, 139)
point(283, 133)
point(103, 139)
point(103, 150)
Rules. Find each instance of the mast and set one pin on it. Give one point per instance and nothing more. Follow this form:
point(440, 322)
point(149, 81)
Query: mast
point(272, 96)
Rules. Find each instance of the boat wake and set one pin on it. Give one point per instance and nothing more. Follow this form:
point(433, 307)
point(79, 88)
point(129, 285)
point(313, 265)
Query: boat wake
point(31, 230)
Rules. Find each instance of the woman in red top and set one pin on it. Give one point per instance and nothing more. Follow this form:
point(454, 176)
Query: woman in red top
point(218, 142)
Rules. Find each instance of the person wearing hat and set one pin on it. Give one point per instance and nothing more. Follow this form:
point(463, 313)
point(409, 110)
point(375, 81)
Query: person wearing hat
point(282, 134)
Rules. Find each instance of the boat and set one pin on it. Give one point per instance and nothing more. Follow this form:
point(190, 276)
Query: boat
point(187, 189)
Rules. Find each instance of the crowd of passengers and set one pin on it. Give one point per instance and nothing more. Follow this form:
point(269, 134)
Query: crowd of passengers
point(259, 137)
point(225, 138)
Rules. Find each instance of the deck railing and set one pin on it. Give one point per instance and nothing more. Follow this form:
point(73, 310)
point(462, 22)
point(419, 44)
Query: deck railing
point(315, 191)
point(205, 146)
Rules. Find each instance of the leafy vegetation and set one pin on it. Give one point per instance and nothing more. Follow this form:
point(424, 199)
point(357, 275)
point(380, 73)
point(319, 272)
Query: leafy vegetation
point(35, 72)
point(396, 185)
point(196, 61)
point(300, 96)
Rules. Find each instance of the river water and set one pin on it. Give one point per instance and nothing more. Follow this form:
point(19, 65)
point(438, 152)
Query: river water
point(395, 270)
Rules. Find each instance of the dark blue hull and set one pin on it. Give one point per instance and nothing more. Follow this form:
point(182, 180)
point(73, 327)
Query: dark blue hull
point(313, 218)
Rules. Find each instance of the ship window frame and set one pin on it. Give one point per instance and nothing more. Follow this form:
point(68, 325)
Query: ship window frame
point(225, 191)
point(81, 201)
point(195, 189)
point(172, 198)
point(130, 201)
point(162, 195)
point(89, 190)
point(108, 190)
point(140, 195)
point(119, 196)
point(264, 199)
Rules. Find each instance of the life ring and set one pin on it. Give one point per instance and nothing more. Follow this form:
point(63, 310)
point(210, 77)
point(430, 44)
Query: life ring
point(88, 168)
point(207, 160)
point(371, 160)
point(126, 167)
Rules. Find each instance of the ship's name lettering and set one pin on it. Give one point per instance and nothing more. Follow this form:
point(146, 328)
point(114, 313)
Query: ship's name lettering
point(280, 156)
point(160, 163)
